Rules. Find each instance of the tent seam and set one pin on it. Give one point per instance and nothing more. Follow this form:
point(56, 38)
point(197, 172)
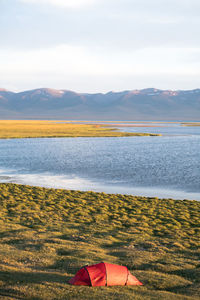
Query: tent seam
point(88, 275)
point(106, 275)
point(127, 276)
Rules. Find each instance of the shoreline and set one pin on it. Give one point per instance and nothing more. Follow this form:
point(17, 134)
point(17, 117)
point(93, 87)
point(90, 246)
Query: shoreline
point(57, 182)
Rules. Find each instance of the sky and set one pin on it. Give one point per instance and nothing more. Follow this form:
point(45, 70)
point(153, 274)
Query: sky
point(99, 45)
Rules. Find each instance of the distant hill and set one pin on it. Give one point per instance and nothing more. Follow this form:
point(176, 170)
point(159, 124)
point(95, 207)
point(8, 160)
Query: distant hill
point(146, 104)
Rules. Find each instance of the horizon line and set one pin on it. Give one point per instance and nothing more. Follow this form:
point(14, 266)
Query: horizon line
point(104, 93)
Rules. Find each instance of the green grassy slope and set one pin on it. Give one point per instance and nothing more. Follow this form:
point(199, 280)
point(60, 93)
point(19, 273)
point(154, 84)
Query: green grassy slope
point(47, 235)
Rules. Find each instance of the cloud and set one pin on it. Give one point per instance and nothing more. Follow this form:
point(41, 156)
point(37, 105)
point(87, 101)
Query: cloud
point(82, 61)
point(62, 3)
point(116, 24)
point(128, 40)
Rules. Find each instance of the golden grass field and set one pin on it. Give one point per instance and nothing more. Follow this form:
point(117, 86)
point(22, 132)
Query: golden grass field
point(46, 235)
point(191, 124)
point(33, 129)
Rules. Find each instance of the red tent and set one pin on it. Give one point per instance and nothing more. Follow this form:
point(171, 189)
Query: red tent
point(104, 274)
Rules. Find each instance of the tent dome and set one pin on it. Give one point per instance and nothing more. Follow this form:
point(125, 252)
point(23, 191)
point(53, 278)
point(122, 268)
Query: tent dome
point(104, 274)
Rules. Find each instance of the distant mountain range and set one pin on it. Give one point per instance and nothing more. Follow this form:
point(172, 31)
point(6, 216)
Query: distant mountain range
point(146, 104)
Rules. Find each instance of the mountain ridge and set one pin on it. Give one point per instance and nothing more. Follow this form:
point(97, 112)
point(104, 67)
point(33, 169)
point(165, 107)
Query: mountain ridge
point(144, 104)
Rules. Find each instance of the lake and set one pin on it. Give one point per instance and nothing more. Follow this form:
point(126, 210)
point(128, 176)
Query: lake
point(165, 167)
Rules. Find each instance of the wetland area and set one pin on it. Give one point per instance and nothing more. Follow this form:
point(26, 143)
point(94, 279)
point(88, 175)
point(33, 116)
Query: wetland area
point(166, 166)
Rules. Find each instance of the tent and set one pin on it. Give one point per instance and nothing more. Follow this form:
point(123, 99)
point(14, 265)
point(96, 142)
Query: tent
point(104, 274)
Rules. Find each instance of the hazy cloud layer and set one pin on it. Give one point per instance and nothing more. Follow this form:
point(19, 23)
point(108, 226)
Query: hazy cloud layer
point(61, 3)
point(130, 43)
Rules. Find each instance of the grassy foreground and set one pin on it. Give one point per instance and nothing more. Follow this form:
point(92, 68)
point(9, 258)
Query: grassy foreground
point(47, 235)
point(33, 129)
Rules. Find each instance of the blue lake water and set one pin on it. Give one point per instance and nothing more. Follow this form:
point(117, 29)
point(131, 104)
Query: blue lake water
point(166, 167)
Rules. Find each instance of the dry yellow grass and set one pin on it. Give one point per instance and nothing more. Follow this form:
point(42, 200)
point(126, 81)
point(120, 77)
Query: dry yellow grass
point(191, 124)
point(33, 129)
